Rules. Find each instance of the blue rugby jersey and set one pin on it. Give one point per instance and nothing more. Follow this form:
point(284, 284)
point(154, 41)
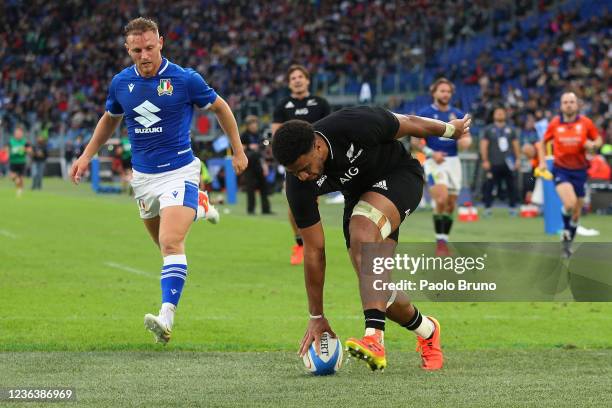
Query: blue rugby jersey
point(158, 113)
point(441, 144)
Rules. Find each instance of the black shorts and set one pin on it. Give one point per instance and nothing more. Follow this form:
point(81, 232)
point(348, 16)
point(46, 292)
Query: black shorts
point(18, 169)
point(403, 186)
point(528, 182)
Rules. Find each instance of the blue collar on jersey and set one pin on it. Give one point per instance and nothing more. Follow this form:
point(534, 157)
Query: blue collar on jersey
point(434, 107)
point(561, 118)
point(162, 67)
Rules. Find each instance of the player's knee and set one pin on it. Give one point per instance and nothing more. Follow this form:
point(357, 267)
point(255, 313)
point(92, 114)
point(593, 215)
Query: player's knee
point(170, 244)
point(569, 204)
point(359, 237)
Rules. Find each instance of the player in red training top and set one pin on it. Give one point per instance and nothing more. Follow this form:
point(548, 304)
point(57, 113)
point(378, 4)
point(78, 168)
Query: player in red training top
point(572, 135)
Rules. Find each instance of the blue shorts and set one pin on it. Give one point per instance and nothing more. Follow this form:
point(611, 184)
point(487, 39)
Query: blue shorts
point(577, 178)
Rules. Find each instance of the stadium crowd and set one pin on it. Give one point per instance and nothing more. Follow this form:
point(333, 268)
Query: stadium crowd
point(57, 58)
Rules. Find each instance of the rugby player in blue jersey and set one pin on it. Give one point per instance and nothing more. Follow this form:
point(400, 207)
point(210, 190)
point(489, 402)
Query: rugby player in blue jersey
point(157, 98)
point(442, 167)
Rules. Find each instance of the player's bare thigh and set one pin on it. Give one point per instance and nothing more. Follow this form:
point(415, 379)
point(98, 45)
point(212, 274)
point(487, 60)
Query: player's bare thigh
point(362, 229)
point(173, 228)
point(439, 193)
point(152, 226)
point(359, 224)
point(567, 194)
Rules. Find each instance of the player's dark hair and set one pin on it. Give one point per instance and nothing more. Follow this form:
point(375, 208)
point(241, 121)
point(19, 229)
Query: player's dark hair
point(433, 87)
point(140, 25)
point(293, 139)
point(298, 67)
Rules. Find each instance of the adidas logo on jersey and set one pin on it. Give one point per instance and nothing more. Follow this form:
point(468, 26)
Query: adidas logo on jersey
point(321, 180)
point(289, 105)
point(381, 184)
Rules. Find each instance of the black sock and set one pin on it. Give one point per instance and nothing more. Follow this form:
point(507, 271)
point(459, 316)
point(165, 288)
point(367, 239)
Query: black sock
point(573, 226)
point(438, 226)
point(298, 240)
point(374, 319)
point(447, 223)
point(415, 321)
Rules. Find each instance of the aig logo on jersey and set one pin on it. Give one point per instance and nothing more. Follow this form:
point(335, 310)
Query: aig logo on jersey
point(165, 87)
point(147, 118)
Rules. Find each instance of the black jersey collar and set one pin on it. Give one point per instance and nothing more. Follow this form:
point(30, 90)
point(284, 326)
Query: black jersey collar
point(331, 152)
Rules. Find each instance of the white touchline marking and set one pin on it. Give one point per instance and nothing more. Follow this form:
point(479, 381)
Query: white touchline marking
point(129, 269)
point(8, 234)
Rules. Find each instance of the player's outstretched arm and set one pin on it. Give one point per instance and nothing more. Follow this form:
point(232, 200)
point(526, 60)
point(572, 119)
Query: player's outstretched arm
point(418, 126)
point(103, 131)
point(228, 123)
point(314, 277)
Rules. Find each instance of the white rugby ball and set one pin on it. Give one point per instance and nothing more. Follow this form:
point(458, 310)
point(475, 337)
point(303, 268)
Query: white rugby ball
point(329, 360)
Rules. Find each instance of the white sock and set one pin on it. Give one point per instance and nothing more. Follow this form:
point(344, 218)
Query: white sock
point(425, 329)
point(370, 331)
point(167, 313)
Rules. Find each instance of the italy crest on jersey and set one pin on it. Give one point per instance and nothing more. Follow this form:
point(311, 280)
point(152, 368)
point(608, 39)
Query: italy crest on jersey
point(165, 87)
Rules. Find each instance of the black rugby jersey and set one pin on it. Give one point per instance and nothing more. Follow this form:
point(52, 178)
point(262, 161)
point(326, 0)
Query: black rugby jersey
point(310, 109)
point(362, 150)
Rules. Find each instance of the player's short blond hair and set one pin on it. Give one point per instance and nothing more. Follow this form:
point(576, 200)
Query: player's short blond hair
point(140, 25)
point(434, 87)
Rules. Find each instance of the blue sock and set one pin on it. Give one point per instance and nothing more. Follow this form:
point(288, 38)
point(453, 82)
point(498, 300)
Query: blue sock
point(173, 277)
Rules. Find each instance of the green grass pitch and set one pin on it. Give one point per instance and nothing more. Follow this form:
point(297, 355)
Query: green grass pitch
point(78, 272)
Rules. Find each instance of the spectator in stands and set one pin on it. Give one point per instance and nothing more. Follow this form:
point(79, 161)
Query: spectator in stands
point(255, 174)
point(500, 155)
point(39, 155)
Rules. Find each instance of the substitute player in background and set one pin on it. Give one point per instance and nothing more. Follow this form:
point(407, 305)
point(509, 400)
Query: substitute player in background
point(443, 167)
point(356, 151)
point(18, 150)
point(299, 105)
point(571, 135)
point(157, 99)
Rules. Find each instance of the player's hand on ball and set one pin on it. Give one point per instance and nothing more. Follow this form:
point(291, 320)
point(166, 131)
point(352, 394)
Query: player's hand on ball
point(79, 168)
point(239, 162)
point(316, 328)
point(462, 126)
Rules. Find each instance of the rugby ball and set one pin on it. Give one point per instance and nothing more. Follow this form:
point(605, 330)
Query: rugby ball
point(328, 361)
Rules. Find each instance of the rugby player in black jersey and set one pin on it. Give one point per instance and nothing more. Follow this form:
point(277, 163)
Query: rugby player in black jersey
point(300, 104)
point(356, 151)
